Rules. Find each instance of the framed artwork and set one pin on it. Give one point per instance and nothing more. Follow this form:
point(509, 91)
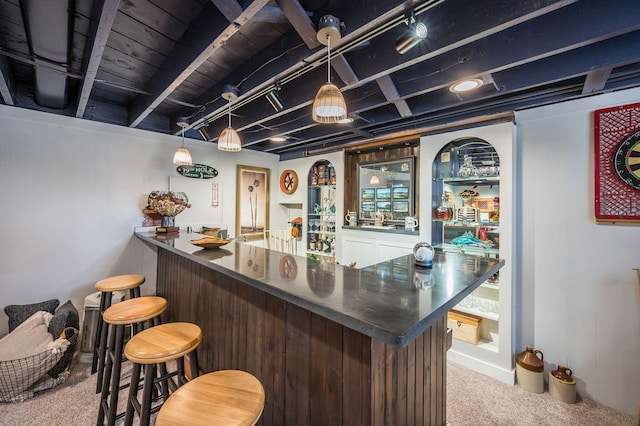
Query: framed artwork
point(368, 193)
point(252, 201)
point(383, 206)
point(401, 207)
point(617, 164)
point(368, 206)
point(400, 192)
point(383, 193)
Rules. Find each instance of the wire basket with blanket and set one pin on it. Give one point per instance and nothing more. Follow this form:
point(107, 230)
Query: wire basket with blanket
point(36, 355)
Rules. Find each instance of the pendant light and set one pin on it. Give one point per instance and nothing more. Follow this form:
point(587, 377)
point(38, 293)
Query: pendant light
point(229, 140)
point(329, 105)
point(182, 156)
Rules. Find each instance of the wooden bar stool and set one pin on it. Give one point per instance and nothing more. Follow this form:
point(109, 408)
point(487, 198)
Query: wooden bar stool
point(133, 312)
point(107, 287)
point(225, 397)
point(158, 345)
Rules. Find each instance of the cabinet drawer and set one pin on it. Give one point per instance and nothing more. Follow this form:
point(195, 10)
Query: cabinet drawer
point(466, 327)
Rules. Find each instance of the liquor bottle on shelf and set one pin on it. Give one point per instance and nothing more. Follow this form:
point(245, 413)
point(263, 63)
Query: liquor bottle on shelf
point(312, 242)
point(444, 211)
point(314, 176)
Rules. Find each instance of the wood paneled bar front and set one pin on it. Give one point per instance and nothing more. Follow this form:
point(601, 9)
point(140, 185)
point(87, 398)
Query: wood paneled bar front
point(331, 345)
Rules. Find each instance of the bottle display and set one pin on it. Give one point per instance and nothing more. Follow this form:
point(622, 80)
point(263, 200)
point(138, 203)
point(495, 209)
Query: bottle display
point(321, 210)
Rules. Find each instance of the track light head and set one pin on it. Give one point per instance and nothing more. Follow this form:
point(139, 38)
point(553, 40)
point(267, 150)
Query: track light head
point(274, 99)
point(415, 34)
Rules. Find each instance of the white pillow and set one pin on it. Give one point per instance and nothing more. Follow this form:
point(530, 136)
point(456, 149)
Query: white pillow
point(29, 338)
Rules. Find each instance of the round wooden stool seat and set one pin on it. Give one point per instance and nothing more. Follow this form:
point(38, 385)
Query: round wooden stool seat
point(135, 310)
point(225, 397)
point(120, 282)
point(163, 343)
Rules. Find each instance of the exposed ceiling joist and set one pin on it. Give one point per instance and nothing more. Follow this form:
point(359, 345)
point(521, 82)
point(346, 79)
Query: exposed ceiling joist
point(596, 80)
point(203, 37)
point(103, 14)
point(299, 19)
point(6, 82)
point(365, 23)
point(391, 93)
point(343, 69)
point(231, 9)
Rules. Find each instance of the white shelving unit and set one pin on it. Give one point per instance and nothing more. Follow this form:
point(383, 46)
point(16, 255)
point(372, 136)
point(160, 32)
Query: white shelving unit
point(492, 301)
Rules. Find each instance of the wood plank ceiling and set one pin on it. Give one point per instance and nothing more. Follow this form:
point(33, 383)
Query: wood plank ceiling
point(143, 64)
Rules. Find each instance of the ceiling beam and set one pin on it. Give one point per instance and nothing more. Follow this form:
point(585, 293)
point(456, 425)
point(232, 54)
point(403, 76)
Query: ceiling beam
point(596, 80)
point(231, 9)
point(391, 93)
point(6, 82)
point(343, 69)
point(496, 16)
point(603, 56)
point(297, 59)
point(520, 79)
point(380, 62)
point(300, 21)
point(103, 14)
point(204, 36)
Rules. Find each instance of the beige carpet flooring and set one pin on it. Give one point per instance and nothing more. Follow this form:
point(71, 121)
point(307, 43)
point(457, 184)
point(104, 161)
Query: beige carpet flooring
point(472, 399)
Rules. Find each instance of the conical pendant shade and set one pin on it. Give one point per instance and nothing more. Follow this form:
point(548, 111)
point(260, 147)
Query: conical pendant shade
point(229, 140)
point(182, 157)
point(329, 105)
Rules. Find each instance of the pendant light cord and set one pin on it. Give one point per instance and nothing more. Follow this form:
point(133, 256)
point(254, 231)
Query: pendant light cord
point(328, 59)
point(229, 112)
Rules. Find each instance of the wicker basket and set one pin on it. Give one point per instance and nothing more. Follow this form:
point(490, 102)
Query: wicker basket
point(21, 379)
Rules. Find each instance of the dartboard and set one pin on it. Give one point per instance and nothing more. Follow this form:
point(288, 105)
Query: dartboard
point(626, 160)
point(288, 181)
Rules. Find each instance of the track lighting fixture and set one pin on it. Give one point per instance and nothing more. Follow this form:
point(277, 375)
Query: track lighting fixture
point(329, 105)
point(274, 99)
point(182, 156)
point(415, 34)
point(229, 140)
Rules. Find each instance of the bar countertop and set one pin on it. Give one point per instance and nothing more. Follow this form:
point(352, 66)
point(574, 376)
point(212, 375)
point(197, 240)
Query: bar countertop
point(393, 301)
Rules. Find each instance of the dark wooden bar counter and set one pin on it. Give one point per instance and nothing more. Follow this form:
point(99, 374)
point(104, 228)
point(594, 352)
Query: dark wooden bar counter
point(330, 344)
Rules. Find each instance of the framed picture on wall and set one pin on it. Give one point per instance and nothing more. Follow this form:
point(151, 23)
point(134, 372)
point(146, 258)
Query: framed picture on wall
point(368, 193)
point(617, 164)
point(252, 201)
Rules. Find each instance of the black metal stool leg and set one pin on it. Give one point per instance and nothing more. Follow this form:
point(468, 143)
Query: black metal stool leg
point(103, 408)
point(97, 362)
point(115, 375)
point(147, 394)
point(133, 394)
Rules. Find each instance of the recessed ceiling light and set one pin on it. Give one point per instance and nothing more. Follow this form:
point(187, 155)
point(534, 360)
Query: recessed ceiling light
point(345, 120)
point(277, 139)
point(465, 85)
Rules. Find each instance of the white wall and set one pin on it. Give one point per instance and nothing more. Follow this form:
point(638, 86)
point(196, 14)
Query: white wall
point(72, 192)
point(579, 305)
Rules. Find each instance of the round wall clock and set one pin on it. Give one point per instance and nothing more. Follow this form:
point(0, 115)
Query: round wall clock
point(626, 160)
point(288, 181)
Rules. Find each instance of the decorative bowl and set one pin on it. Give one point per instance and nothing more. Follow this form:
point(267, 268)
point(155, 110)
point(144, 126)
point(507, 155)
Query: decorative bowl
point(210, 242)
point(168, 203)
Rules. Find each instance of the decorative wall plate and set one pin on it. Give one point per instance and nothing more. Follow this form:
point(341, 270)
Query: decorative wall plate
point(288, 181)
